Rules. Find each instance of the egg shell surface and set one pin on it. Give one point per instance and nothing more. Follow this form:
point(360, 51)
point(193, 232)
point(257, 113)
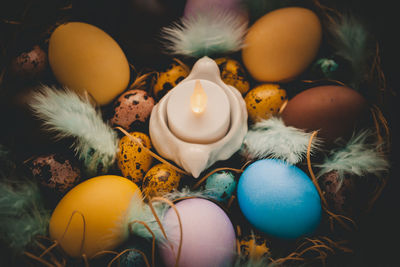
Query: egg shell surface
point(233, 73)
point(264, 101)
point(281, 45)
point(332, 110)
point(168, 79)
point(208, 235)
point(96, 211)
point(133, 161)
point(85, 58)
point(132, 108)
point(160, 179)
point(279, 199)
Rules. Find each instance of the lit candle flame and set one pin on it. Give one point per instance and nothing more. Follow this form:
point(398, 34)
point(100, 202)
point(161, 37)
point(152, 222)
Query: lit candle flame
point(198, 100)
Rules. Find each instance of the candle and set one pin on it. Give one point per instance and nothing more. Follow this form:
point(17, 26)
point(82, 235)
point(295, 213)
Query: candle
point(198, 111)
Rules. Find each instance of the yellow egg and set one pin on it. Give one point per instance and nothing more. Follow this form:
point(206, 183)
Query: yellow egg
point(92, 216)
point(281, 44)
point(133, 161)
point(232, 73)
point(83, 57)
point(159, 180)
point(264, 101)
point(169, 79)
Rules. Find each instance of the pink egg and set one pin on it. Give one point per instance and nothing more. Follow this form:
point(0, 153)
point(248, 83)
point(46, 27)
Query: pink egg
point(208, 235)
point(132, 109)
point(194, 7)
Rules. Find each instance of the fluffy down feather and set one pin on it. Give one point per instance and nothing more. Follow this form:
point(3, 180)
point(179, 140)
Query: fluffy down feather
point(70, 115)
point(22, 215)
point(273, 139)
point(205, 33)
point(358, 157)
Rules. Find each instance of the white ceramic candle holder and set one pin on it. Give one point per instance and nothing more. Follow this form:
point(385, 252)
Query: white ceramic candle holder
point(195, 158)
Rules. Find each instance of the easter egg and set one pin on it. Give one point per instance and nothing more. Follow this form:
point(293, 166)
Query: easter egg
point(55, 172)
point(232, 73)
point(132, 109)
point(208, 235)
point(159, 180)
point(134, 258)
point(29, 64)
point(264, 101)
point(333, 110)
point(194, 7)
point(132, 160)
point(169, 79)
point(91, 217)
point(279, 199)
point(253, 247)
point(85, 58)
point(281, 45)
point(221, 186)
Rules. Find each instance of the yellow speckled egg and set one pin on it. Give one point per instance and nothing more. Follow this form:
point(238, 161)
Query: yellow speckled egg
point(280, 45)
point(169, 79)
point(133, 161)
point(91, 217)
point(83, 57)
point(253, 247)
point(264, 100)
point(232, 73)
point(160, 179)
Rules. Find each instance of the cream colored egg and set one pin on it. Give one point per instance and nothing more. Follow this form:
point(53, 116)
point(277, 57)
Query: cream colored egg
point(85, 58)
point(282, 44)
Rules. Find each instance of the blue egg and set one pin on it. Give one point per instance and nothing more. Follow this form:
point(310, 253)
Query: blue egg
point(221, 186)
point(279, 199)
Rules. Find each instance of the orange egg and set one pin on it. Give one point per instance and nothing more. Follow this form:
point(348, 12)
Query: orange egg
point(281, 44)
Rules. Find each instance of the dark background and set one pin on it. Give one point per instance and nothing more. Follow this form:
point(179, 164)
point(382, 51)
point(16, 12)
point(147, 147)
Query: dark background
point(378, 236)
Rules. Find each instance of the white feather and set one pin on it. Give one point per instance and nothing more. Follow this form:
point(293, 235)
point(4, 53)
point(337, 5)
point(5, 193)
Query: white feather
point(70, 115)
point(272, 139)
point(206, 33)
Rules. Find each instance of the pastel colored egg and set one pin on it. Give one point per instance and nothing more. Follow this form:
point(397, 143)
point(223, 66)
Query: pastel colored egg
point(91, 217)
point(29, 64)
point(159, 180)
point(264, 101)
point(132, 109)
point(232, 73)
point(279, 199)
point(253, 247)
point(332, 110)
point(208, 235)
point(55, 172)
point(281, 45)
point(221, 186)
point(85, 58)
point(194, 7)
point(133, 161)
point(168, 79)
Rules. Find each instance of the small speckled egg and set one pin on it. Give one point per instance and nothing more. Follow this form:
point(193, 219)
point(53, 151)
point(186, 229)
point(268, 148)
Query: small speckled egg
point(160, 179)
point(169, 79)
point(132, 109)
point(55, 171)
point(254, 247)
point(29, 64)
point(264, 100)
point(340, 196)
point(232, 73)
point(133, 161)
point(221, 186)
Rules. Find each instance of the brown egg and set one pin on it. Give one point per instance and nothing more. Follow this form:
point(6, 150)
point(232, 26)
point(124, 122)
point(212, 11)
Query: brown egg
point(132, 109)
point(29, 64)
point(333, 110)
point(281, 44)
point(160, 179)
point(55, 172)
point(264, 101)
